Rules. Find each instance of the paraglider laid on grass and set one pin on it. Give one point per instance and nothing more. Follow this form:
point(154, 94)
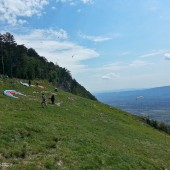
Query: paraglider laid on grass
point(41, 87)
point(24, 84)
point(12, 93)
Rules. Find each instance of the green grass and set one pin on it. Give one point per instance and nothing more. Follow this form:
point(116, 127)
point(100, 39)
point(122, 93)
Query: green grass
point(75, 133)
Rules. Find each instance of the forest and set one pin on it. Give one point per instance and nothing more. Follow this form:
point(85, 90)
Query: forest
point(18, 61)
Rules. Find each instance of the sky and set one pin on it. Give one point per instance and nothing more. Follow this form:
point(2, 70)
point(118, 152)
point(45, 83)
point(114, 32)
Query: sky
point(106, 44)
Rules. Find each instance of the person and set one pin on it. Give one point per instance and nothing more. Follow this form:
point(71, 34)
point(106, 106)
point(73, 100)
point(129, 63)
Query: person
point(43, 103)
point(29, 82)
point(52, 99)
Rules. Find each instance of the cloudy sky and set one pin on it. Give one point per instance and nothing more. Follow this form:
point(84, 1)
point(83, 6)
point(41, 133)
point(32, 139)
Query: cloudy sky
point(106, 44)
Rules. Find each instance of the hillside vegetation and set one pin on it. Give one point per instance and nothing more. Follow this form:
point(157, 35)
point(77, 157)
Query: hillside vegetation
point(22, 62)
point(75, 133)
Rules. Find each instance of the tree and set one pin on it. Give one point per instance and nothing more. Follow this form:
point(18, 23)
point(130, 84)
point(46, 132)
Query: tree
point(2, 59)
point(10, 44)
point(18, 61)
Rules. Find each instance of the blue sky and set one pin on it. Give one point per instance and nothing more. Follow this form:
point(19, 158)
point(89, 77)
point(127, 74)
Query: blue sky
point(106, 44)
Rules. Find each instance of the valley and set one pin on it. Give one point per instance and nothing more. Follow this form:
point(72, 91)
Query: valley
point(153, 103)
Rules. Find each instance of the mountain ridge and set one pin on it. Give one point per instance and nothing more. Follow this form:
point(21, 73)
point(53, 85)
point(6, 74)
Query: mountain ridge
point(154, 102)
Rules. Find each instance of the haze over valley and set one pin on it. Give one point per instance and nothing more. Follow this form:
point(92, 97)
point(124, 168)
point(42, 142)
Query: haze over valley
point(153, 102)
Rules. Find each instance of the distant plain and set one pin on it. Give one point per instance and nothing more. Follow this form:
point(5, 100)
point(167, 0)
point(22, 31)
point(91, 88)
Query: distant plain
point(153, 103)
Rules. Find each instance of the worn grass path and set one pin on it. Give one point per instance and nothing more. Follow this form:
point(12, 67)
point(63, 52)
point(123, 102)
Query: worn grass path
point(75, 133)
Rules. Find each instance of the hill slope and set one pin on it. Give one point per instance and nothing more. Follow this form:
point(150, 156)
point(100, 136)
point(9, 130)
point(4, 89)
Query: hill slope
point(76, 133)
point(25, 63)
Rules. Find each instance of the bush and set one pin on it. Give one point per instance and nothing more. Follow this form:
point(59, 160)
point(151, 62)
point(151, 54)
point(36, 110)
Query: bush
point(160, 126)
point(163, 127)
point(154, 123)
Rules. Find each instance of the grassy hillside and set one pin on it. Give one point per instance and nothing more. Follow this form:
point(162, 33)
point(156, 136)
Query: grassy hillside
point(75, 133)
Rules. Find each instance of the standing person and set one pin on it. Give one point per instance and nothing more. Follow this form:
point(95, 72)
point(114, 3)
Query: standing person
point(43, 103)
point(52, 99)
point(29, 82)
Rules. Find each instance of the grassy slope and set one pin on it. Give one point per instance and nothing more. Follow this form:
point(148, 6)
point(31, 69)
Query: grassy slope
point(76, 134)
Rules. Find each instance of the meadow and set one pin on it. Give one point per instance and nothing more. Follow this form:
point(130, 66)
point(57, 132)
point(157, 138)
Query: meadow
point(75, 133)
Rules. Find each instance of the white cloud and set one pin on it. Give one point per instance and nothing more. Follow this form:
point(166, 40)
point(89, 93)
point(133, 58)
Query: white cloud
point(167, 56)
point(11, 11)
point(48, 34)
point(74, 2)
point(139, 63)
point(153, 54)
point(87, 1)
point(21, 21)
point(95, 38)
point(67, 54)
point(111, 76)
point(114, 66)
point(53, 8)
point(123, 66)
point(62, 1)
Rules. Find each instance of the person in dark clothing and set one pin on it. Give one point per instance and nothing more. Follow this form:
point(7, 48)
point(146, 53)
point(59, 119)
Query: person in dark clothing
point(29, 82)
point(52, 99)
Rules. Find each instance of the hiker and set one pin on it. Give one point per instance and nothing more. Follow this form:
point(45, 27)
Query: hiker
point(29, 82)
point(52, 99)
point(43, 103)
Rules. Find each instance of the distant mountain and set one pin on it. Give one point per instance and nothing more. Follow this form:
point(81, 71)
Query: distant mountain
point(153, 102)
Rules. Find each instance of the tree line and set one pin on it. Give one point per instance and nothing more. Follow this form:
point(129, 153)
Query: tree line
point(158, 125)
point(21, 62)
